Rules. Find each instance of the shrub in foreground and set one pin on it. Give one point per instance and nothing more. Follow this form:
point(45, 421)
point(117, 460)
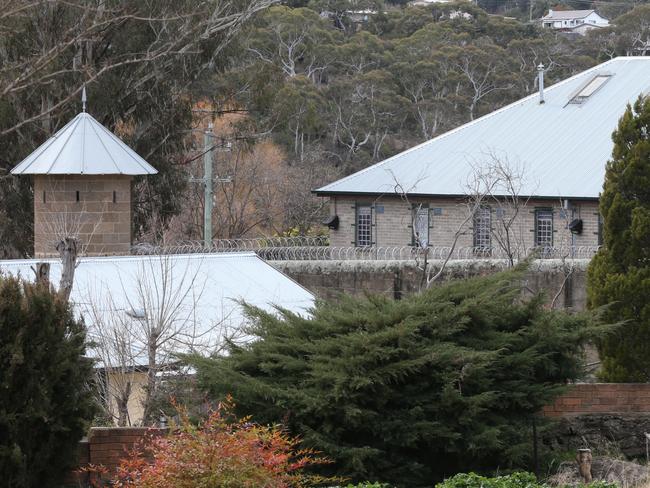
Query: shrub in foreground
point(365, 484)
point(45, 401)
point(408, 391)
point(221, 452)
point(516, 480)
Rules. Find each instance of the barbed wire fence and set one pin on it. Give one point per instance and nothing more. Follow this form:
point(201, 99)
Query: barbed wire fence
point(307, 248)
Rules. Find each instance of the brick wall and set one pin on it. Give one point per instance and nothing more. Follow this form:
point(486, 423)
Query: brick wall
point(107, 446)
point(101, 217)
point(392, 220)
point(602, 398)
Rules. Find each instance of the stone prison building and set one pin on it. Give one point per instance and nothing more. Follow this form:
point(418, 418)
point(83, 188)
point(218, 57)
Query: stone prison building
point(538, 165)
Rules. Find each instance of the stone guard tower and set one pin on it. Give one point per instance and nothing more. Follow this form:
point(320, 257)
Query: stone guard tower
point(82, 188)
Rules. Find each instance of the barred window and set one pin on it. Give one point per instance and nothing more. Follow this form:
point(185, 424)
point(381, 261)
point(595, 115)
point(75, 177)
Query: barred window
point(544, 227)
point(364, 226)
point(483, 228)
point(421, 226)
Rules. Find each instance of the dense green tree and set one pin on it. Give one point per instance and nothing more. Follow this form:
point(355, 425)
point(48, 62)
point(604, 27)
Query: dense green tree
point(294, 40)
point(365, 109)
point(425, 85)
point(619, 275)
point(627, 34)
point(45, 399)
point(630, 34)
point(299, 108)
point(407, 391)
point(361, 53)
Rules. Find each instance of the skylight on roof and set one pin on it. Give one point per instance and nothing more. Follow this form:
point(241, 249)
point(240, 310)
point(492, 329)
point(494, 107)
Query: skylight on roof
point(590, 88)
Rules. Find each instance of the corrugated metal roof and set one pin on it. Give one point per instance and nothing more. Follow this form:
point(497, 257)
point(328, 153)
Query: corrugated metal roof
point(204, 288)
point(84, 146)
point(567, 14)
point(560, 147)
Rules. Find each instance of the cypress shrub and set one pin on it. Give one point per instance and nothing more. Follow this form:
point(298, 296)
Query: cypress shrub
point(45, 401)
point(619, 275)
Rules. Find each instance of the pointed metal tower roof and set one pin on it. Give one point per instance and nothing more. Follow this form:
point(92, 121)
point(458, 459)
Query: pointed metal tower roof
point(84, 146)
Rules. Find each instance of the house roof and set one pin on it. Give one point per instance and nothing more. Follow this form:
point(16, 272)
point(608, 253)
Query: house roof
point(567, 14)
point(199, 291)
point(584, 26)
point(561, 148)
point(84, 146)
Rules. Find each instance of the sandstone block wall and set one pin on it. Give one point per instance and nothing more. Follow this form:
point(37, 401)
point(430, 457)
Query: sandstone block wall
point(392, 220)
point(95, 208)
point(330, 279)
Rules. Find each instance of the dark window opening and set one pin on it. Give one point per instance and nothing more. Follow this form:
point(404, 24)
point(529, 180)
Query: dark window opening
point(44, 199)
point(77, 195)
point(114, 196)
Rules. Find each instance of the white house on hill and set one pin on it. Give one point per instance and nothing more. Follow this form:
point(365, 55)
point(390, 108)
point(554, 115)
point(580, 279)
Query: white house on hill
point(539, 164)
point(576, 21)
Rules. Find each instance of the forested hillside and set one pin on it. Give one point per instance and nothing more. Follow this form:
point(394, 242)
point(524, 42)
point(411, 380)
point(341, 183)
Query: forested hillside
point(300, 93)
point(337, 95)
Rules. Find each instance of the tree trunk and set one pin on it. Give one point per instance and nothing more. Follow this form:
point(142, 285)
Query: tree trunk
point(151, 383)
point(67, 248)
point(43, 274)
point(123, 406)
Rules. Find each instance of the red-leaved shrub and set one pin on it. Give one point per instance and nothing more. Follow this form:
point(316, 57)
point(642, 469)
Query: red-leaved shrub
point(221, 452)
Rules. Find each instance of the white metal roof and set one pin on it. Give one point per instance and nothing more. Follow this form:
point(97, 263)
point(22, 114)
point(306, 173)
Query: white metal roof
point(201, 291)
point(84, 146)
point(560, 147)
point(567, 14)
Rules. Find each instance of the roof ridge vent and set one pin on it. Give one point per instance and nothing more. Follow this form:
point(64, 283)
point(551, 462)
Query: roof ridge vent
point(588, 89)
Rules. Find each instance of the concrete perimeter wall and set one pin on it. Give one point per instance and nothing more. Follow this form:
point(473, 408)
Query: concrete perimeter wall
point(329, 279)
